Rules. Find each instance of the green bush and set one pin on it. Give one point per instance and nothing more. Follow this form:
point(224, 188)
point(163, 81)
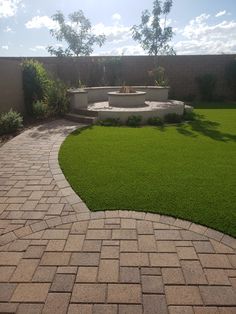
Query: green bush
point(189, 115)
point(36, 83)
point(173, 118)
point(57, 99)
point(110, 122)
point(10, 122)
point(206, 85)
point(40, 109)
point(134, 121)
point(155, 121)
point(230, 73)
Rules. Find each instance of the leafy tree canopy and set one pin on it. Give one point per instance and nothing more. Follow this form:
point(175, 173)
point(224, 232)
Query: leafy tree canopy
point(153, 33)
point(77, 33)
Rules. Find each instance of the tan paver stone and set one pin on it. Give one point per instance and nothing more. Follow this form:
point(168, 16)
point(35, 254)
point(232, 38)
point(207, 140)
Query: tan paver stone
point(151, 271)
point(205, 310)
point(217, 277)
point(25, 270)
point(84, 259)
point(87, 274)
point(96, 224)
point(218, 295)
point(166, 246)
point(124, 293)
point(32, 308)
point(186, 253)
point(79, 227)
point(63, 283)
point(227, 310)
point(214, 261)
point(144, 227)
point(128, 223)
point(55, 234)
point(193, 272)
point(92, 245)
point(110, 252)
point(80, 309)
point(128, 246)
point(232, 259)
point(89, 293)
point(152, 284)
point(124, 234)
point(105, 309)
point(56, 303)
point(55, 259)
point(134, 259)
point(98, 234)
point(129, 275)
point(34, 251)
point(6, 272)
point(203, 247)
point(130, 309)
point(74, 243)
point(167, 235)
point(8, 308)
point(147, 243)
point(10, 258)
point(30, 292)
point(55, 245)
point(67, 270)
point(173, 276)
point(108, 271)
point(154, 304)
point(44, 274)
point(183, 295)
point(164, 259)
point(180, 310)
point(6, 291)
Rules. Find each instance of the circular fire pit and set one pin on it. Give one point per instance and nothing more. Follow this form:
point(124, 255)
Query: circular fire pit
point(126, 100)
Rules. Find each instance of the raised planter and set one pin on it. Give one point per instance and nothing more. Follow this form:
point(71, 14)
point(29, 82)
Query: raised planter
point(126, 100)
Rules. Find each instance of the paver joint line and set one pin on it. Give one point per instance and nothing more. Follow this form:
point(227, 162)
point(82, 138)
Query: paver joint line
point(56, 255)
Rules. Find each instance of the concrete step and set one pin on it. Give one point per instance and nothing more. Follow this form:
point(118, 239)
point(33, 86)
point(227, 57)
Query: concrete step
point(80, 118)
point(85, 112)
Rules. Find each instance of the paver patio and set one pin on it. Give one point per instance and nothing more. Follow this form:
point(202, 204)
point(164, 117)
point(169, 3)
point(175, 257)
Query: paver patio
point(58, 257)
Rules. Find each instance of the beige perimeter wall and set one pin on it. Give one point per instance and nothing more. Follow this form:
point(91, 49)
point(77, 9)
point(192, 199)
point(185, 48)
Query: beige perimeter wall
point(133, 70)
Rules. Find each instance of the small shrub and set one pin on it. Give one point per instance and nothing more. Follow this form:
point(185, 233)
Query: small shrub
point(173, 118)
point(189, 115)
point(110, 122)
point(36, 83)
point(159, 76)
point(134, 121)
point(10, 122)
point(57, 99)
point(206, 85)
point(155, 121)
point(40, 109)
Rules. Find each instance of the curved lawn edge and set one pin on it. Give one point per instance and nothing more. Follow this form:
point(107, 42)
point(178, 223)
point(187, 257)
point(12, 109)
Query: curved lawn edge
point(158, 211)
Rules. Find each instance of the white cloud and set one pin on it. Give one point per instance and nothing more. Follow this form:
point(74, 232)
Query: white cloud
point(9, 8)
point(221, 13)
point(204, 37)
point(5, 47)
point(116, 33)
point(38, 22)
point(116, 17)
point(38, 47)
point(8, 30)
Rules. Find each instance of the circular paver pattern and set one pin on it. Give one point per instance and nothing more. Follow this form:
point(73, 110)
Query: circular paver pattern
point(58, 257)
point(117, 264)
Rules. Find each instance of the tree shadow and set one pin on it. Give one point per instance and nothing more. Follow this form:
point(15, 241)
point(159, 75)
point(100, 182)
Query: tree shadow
point(205, 127)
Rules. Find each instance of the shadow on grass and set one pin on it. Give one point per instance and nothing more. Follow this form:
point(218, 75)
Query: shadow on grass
point(205, 127)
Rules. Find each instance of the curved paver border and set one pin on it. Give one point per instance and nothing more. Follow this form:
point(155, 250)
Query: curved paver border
point(83, 213)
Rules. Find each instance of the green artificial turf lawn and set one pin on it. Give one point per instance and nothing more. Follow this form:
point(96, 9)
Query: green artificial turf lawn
point(186, 170)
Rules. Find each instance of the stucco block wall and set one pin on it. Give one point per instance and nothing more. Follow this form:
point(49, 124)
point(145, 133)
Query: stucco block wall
point(181, 72)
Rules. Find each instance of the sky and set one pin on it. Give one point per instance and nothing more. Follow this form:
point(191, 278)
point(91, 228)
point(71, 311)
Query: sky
point(200, 26)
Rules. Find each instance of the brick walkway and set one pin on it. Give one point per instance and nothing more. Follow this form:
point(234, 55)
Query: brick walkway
point(58, 257)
